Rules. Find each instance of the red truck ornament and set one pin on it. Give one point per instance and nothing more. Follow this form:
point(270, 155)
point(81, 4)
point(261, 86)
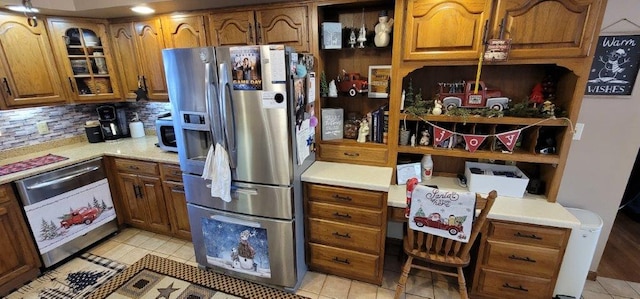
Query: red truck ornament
point(352, 84)
point(462, 94)
point(82, 215)
point(434, 220)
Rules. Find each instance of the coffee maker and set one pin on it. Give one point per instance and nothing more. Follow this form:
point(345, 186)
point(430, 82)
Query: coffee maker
point(111, 122)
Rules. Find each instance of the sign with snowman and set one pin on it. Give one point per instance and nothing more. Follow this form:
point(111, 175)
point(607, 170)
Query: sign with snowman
point(448, 214)
point(615, 66)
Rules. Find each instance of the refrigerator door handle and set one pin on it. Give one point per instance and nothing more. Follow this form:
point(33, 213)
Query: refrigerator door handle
point(214, 123)
point(229, 121)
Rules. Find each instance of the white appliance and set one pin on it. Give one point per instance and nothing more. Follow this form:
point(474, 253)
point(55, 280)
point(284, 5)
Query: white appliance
point(579, 253)
point(251, 101)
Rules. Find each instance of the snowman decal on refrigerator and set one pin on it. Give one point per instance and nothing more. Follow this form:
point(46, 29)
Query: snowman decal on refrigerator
point(243, 255)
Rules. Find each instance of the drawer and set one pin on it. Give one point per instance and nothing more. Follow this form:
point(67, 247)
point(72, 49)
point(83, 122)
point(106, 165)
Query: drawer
point(529, 234)
point(344, 235)
point(6, 193)
point(342, 262)
point(352, 154)
point(171, 172)
point(396, 214)
point(522, 259)
point(346, 196)
point(344, 214)
point(137, 167)
point(498, 284)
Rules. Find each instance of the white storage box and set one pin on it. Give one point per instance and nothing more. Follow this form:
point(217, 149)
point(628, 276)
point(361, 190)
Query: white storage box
point(489, 180)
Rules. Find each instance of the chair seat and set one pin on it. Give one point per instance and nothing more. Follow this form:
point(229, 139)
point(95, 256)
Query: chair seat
point(434, 258)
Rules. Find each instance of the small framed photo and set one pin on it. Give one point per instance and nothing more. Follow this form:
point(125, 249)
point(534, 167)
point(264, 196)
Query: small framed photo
point(379, 81)
point(407, 171)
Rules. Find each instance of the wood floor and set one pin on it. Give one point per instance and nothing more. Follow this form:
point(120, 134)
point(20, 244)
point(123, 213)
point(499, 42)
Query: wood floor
point(621, 257)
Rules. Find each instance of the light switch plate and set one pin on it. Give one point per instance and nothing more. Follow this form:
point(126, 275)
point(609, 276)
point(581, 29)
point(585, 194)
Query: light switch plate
point(43, 128)
point(578, 133)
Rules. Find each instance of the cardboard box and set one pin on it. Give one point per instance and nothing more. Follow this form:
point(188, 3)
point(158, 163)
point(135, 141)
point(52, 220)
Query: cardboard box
point(505, 186)
point(331, 35)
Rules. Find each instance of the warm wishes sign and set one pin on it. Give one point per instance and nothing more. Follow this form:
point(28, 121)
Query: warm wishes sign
point(615, 65)
point(442, 213)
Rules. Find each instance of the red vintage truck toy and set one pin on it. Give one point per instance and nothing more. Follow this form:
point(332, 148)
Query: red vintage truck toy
point(434, 220)
point(462, 94)
point(352, 84)
point(82, 215)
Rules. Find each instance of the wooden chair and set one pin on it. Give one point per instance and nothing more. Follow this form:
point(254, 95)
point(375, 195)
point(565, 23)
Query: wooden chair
point(442, 252)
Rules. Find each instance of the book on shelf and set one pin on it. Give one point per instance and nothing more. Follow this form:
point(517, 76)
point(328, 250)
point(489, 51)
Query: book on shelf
point(378, 123)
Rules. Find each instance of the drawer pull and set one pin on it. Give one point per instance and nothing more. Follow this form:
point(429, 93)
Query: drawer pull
point(518, 288)
point(342, 215)
point(177, 173)
point(531, 236)
point(342, 261)
point(352, 154)
point(179, 189)
point(337, 234)
point(133, 167)
point(524, 259)
point(337, 196)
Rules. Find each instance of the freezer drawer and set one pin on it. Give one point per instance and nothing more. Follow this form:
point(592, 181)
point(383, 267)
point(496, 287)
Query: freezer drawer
point(252, 248)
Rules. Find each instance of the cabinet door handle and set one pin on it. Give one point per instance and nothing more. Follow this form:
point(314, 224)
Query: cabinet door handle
point(178, 189)
point(342, 261)
point(6, 85)
point(135, 191)
point(140, 192)
point(342, 215)
point(144, 83)
point(71, 84)
point(3, 211)
point(351, 154)
point(259, 33)
point(338, 196)
point(339, 235)
point(250, 33)
point(524, 259)
point(531, 236)
point(518, 288)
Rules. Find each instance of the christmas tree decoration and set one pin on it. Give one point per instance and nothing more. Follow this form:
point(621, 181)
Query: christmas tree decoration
point(324, 87)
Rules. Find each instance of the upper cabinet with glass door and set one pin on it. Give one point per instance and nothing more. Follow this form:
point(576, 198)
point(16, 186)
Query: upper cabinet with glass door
point(83, 51)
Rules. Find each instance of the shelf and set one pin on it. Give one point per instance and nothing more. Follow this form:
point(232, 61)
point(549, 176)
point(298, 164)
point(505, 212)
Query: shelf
point(507, 120)
point(353, 142)
point(517, 155)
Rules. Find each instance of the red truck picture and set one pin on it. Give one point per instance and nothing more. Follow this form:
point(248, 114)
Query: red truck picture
point(352, 84)
point(462, 95)
point(434, 220)
point(82, 215)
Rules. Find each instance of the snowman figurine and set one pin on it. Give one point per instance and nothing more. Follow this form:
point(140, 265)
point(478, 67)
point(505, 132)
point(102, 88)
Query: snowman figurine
point(424, 140)
point(437, 108)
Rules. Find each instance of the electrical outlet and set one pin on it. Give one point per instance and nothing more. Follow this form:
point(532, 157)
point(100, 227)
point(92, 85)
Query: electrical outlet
point(578, 133)
point(42, 126)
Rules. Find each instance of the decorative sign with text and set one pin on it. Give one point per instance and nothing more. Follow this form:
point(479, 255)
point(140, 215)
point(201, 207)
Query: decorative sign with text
point(615, 66)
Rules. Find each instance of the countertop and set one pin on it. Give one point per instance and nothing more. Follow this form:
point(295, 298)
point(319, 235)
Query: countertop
point(135, 148)
point(531, 209)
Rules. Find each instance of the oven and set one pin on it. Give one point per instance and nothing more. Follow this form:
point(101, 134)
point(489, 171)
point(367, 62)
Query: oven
point(68, 209)
point(166, 133)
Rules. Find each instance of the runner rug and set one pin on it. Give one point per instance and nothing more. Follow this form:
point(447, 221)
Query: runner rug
point(31, 163)
point(156, 277)
point(74, 279)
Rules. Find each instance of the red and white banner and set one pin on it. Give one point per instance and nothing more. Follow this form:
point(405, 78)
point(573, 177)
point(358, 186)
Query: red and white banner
point(474, 141)
point(440, 134)
point(509, 139)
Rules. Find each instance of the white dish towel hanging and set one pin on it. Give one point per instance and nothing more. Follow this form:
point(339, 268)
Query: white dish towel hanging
point(216, 169)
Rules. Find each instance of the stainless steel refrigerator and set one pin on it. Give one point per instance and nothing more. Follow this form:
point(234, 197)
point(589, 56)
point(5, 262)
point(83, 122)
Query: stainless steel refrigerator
point(252, 100)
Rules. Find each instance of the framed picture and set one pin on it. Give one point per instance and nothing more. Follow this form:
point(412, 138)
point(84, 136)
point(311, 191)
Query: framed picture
point(407, 171)
point(379, 81)
point(615, 66)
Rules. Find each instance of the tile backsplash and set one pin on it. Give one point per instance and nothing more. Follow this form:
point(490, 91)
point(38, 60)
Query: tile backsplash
point(18, 126)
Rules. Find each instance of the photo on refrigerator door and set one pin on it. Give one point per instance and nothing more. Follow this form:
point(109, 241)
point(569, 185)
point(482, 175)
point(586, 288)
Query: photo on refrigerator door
point(247, 72)
point(237, 246)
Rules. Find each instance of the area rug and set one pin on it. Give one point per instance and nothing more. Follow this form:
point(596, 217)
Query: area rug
point(156, 277)
point(74, 279)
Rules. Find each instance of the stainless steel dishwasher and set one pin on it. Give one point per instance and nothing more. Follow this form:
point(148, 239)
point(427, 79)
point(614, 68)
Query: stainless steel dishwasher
point(68, 209)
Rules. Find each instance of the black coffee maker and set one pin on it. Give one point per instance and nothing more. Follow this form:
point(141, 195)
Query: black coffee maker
point(111, 120)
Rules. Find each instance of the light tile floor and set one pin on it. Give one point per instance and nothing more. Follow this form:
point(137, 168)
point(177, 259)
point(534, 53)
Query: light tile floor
point(132, 244)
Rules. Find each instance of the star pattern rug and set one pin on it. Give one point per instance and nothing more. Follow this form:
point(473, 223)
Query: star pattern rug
point(156, 277)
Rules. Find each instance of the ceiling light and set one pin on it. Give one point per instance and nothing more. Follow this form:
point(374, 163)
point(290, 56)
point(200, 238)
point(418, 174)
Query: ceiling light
point(145, 10)
point(21, 8)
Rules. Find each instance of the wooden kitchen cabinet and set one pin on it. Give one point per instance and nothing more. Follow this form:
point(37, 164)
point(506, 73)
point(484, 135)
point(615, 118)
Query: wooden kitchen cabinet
point(176, 200)
point(454, 30)
point(345, 231)
point(184, 31)
point(83, 51)
point(519, 260)
point(19, 259)
point(24, 49)
point(276, 24)
point(142, 195)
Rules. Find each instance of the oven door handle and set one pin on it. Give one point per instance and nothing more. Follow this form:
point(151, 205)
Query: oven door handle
point(71, 176)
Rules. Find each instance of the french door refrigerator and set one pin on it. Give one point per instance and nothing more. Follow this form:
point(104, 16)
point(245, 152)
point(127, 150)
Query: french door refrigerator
point(251, 101)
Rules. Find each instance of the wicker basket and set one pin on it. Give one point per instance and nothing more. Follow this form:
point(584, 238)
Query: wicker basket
point(98, 85)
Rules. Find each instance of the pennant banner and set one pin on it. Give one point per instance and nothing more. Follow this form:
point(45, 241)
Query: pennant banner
point(440, 134)
point(474, 141)
point(509, 139)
